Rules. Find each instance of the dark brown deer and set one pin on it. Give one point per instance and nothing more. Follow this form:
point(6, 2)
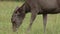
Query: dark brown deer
point(43, 7)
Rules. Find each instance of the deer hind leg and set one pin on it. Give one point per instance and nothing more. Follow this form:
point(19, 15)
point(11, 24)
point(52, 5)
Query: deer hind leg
point(44, 22)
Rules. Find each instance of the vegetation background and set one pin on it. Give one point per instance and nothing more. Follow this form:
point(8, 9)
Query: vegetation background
point(6, 10)
point(12, 0)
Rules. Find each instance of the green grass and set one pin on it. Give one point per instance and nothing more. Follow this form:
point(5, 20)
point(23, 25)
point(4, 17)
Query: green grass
point(6, 10)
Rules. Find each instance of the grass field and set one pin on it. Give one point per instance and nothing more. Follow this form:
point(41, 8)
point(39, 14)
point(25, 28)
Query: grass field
point(6, 10)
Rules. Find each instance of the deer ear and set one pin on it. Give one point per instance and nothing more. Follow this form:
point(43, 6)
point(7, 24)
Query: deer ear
point(17, 8)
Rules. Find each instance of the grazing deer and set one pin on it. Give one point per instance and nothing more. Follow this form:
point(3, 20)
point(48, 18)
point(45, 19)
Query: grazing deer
point(43, 7)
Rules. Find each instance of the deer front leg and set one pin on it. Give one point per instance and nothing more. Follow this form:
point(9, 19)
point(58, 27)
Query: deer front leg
point(33, 16)
point(44, 22)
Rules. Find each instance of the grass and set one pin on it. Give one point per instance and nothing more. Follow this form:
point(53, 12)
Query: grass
point(6, 10)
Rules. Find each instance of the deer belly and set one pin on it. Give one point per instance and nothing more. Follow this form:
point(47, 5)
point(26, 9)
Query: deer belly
point(48, 4)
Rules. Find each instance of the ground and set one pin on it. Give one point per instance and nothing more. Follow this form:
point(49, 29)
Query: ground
point(6, 10)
